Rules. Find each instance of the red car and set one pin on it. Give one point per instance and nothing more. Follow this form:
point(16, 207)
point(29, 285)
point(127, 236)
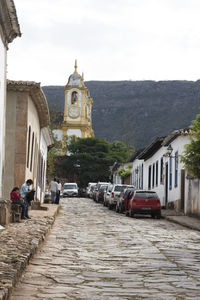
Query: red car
point(144, 202)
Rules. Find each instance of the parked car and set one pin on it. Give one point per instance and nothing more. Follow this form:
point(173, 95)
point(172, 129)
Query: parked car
point(100, 193)
point(90, 184)
point(70, 190)
point(144, 202)
point(107, 194)
point(123, 199)
point(92, 191)
point(97, 187)
point(112, 197)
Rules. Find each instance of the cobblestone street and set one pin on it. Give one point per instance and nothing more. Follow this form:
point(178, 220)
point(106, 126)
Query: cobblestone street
point(94, 253)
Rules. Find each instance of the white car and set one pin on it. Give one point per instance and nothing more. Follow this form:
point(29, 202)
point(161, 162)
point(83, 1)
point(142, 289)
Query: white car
point(114, 193)
point(88, 189)
point(70, 189)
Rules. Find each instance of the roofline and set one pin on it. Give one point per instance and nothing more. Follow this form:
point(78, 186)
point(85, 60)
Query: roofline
point(151, 149)
point(35, 91)
point(8, 21)
point(174, 134)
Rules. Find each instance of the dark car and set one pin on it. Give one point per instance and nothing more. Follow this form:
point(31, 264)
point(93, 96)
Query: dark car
point(96, 189)
point(124, 197)
point(100, 193)
point(144, 202)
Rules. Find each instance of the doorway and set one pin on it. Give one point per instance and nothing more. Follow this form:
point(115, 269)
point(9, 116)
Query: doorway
point(166, 184)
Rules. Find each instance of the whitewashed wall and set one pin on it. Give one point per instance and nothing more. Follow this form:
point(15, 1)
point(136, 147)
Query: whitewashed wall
point(158, 184)
point(178, 146)
point(192, 196)
point(33, 121)
point(3, 58)
point(43, 152)
point(116, 178)
point(137, 174)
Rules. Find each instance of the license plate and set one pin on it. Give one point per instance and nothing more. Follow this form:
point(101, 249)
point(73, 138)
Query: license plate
point(146, 208)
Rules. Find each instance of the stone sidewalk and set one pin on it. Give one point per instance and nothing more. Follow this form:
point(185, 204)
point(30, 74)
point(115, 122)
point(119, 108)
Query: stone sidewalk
point(19, 242)
point(179, 218)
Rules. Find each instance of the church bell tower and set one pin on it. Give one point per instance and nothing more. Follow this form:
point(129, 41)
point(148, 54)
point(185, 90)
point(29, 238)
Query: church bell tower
point(77, 119)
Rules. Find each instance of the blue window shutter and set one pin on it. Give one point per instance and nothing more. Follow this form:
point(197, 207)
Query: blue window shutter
point(176, 169)
point(170, 173)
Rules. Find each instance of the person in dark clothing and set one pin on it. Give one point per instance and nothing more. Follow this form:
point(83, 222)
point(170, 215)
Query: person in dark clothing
point(58, 192)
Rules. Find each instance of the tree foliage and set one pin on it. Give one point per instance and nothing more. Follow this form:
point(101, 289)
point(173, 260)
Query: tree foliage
point(90, 159)
point(191, 155)
point(52, 153)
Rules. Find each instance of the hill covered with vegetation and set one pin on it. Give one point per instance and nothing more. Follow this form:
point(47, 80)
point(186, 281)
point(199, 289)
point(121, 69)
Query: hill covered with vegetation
point(136, 112)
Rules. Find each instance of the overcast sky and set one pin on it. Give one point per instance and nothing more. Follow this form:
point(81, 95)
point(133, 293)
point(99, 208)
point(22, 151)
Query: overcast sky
point(111, 39)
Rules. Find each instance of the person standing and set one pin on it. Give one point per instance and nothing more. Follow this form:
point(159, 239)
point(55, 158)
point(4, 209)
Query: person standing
point(58, 192)
point(54, 189)
point(24, 191)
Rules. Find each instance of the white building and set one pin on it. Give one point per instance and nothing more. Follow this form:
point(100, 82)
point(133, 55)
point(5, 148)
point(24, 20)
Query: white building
point(158, 167)
point(9, 29)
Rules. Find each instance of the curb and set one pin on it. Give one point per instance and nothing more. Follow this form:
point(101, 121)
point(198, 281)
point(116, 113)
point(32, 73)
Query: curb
point(184, 224)
point(17, 249)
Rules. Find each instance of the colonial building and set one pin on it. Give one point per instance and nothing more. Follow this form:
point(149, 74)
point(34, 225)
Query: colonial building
point(27, 136)
point(9, 30)
point(77, 119)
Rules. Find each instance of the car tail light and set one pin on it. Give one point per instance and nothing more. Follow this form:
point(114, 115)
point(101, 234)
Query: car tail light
point(112, 195)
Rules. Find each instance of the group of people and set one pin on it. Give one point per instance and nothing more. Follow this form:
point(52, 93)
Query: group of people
point(23, 197)
point(55, 187)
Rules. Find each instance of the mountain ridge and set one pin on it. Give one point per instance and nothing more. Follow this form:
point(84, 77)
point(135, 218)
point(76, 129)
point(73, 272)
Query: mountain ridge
point(136, 112)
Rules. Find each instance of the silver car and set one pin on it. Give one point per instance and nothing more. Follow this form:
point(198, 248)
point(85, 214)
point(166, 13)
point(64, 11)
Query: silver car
point(114, 193)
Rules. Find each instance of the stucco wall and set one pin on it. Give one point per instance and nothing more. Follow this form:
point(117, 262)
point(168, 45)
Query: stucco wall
point(3, 54)
point(192, 196)
point(33, 122)
point(9, 179)
point(43, 153)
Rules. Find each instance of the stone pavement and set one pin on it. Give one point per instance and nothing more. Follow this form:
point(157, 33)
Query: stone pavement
point(92, 253)
point(179, 218)
point(19, 242)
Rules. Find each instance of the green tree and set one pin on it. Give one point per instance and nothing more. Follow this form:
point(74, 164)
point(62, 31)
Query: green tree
point(90, 159)
point(52, 153)
point(191, 155)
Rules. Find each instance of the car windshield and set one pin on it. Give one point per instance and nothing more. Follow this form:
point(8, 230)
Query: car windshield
point(146, 195)
point(103, 187)
point(119, 188)
point(70, 186)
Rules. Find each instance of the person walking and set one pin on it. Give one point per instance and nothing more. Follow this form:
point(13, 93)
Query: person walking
point(54, 189)
point(24, 191)
point(58, 192)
